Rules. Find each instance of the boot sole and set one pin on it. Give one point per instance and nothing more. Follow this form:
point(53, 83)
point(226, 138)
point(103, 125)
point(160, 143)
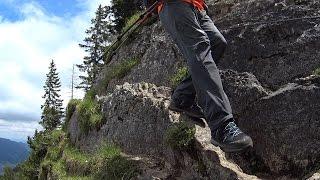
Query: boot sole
point(232, 149)
point(173, 108)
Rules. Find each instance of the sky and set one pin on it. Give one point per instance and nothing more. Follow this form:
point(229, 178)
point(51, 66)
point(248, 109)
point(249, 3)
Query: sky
point(32, 33)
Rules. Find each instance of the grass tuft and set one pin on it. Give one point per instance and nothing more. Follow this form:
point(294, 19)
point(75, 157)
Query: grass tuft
point(76, 162)
point(90, 116)
point(71, 107)
point(117, 72)
point(180, 137)
point(117, 168)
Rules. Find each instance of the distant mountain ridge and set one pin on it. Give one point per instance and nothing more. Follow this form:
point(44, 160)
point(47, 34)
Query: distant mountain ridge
point(12, 153)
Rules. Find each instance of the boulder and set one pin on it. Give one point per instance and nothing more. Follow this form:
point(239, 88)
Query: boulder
point(285, 128)
point(243, 89)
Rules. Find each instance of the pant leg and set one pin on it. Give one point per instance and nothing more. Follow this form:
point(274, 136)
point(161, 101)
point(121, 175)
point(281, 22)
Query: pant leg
point(217, 41)
point(181, 22)
point(185, 93)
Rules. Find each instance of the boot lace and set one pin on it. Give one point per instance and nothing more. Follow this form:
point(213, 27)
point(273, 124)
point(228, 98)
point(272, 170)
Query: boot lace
point(232, 131)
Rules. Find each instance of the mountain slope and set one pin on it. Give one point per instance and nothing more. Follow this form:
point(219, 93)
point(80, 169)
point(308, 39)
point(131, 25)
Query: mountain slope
point(12, 153)
point(274, 44)
point(266, 73)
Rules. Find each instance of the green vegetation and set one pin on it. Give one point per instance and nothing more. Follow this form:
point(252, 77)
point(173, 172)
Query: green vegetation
point(104, 163)
point(98, 35)
point(179, 76)
point(316, 72)
point(131, 20)
point(180, 136)
point(52, 111)
point(117, 72)
point(108, 21)
point(90, 116)
point(71, 108)
point(121, 10)
point(8, 173)
point(88, 109)
point(117, 168)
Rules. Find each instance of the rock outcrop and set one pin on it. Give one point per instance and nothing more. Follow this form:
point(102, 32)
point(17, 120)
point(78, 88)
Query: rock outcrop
point(278, 42)
point(265, 73)
point(285, 126)
point(137, 120)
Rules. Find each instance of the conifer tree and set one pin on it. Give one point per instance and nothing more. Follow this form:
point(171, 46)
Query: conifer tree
point(122, 10)
point(52, 111)
point(94, 45)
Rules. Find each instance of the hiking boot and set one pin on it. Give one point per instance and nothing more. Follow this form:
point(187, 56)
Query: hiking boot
point(193, 111)
point(230, 138)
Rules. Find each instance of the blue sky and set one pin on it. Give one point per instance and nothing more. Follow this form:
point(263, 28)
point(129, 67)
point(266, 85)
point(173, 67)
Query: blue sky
point(32, 32)
point(10, 9)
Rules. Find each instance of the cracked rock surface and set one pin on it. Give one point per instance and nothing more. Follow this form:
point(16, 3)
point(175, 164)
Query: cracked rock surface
point(266, 74)
point(275, 52)
point(137, 119)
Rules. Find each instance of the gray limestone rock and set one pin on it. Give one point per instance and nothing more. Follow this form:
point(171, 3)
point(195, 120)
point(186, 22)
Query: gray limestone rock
point(285, 128)
point(263, 74)
point(275, 52)
point(243, 89)
point(137, 119)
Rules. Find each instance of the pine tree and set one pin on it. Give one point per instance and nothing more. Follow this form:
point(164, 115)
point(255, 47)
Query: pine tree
point(94, 45)
point(122, 10)
point(52, 111)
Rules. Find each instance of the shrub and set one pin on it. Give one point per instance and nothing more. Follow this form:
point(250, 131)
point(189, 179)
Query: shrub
point(180, 137)
point(57, 144)
point(179, 76)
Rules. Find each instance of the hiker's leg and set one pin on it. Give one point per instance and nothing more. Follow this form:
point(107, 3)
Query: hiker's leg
point(181, 21)
point(217, 41)
point(185, 92)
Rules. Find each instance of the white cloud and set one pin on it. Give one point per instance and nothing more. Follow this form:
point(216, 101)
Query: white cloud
point(26, 48)
point(18, 131)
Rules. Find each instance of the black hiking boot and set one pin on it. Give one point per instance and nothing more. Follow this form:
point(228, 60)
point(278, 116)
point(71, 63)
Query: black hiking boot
point(230, 138)
point(193, 111)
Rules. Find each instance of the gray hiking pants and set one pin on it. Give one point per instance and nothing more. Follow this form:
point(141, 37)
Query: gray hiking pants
point(202, 45)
